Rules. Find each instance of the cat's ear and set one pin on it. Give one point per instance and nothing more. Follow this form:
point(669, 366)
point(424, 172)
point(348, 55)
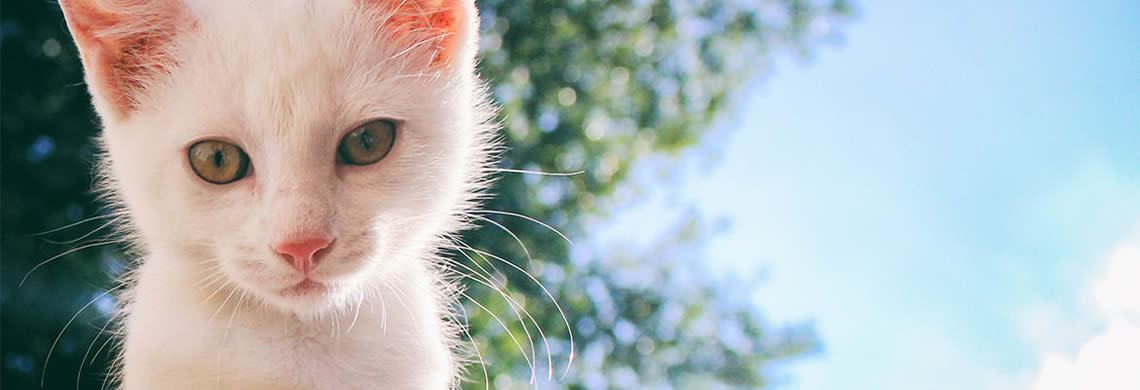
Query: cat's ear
point(124, 44)
point(447, 31)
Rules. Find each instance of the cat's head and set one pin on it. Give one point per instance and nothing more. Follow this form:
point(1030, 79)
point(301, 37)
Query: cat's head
point(304, 149)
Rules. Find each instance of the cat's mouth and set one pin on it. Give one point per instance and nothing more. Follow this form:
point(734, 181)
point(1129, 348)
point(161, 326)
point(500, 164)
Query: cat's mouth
point(305, 287)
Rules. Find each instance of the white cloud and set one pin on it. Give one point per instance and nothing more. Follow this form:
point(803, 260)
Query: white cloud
point(1111, 359)
point(1118, 292)
point(1058, 329)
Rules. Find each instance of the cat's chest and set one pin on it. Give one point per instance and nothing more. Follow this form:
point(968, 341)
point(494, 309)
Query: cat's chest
point(362, 357)
point(359, 351)
point(306, 360)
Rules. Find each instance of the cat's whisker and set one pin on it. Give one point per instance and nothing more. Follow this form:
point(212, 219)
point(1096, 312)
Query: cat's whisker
point(542, 334)
point(510, 333)
point(83, 361)
point(65, 253)
point(230, 323)
point(81, 238)
point(335, 328)
point(359, 304)
point(516, 307)
point(529, 259)
point(205, 260)
point(219, 310)
point(546, 343)
point(73, 224)
point(106, 379)
point(540, 173)
point(221, 287)
point(47, 360)
point(210, 280)
point(106, 375)
point(565, 320)
point(103, 346)
point(383, 309)
point(211, 263)
point(528, 218)
point(214, 275)
point(226, 332)
point(475, 347)
point(454, 242)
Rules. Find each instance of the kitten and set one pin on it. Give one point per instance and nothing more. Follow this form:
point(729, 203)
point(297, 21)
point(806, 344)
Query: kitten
point(288, 171)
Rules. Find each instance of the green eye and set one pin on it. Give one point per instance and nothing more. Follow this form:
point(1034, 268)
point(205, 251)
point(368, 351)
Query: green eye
point(218, 162)
point(368, 143)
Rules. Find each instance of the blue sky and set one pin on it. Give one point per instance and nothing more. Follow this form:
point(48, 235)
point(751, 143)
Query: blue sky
point(938, 192)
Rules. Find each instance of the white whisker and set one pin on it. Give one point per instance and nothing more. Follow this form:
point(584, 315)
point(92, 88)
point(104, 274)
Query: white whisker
point(83, 361)
point(219, 310)
point(515, 308)
point(541, 173)
point(565, 320)
point(359, 303)
point(80, 238)
point(475, 346)
point(68, 252)
point(47, 360)
point(510, 333)
point(73, 224)
point(517, 215)
point(526, 251)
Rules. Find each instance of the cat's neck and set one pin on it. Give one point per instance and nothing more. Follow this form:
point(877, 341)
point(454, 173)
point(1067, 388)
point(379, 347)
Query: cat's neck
point(215, 335)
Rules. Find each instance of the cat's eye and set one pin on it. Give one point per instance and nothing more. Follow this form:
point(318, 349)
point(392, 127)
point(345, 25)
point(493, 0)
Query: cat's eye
point(368, 143)
point(218, 162)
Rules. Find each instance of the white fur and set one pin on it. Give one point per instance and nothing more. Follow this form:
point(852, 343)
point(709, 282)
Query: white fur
point(285, 80)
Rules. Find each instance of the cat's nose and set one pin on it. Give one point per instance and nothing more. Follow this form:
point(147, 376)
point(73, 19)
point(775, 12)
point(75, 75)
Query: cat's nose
point(303, 254)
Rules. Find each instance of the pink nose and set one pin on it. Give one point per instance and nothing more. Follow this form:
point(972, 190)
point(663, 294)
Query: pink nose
point(303, 253)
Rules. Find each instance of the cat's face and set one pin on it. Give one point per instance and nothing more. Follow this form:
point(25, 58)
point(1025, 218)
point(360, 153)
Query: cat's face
point(270, 95)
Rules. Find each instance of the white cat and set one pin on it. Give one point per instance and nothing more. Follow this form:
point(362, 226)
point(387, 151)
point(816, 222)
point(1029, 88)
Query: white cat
point(289, 170)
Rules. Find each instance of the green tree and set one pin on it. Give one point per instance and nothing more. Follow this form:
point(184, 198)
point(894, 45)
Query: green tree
point(592, 86)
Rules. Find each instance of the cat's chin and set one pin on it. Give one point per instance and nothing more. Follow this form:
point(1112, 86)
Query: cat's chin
point(304, 288)
point(308, 297)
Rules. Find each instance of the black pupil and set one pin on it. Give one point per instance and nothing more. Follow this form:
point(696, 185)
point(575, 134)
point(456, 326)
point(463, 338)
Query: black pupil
point(366, 139)
point(219, 158)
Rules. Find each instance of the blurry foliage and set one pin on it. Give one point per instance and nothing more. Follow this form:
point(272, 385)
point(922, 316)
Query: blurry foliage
point(585, 85)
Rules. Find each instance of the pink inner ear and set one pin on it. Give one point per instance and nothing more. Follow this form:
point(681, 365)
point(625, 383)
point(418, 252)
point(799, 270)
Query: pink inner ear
point(413, 21)
point(133, 60)
point(123, 44)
